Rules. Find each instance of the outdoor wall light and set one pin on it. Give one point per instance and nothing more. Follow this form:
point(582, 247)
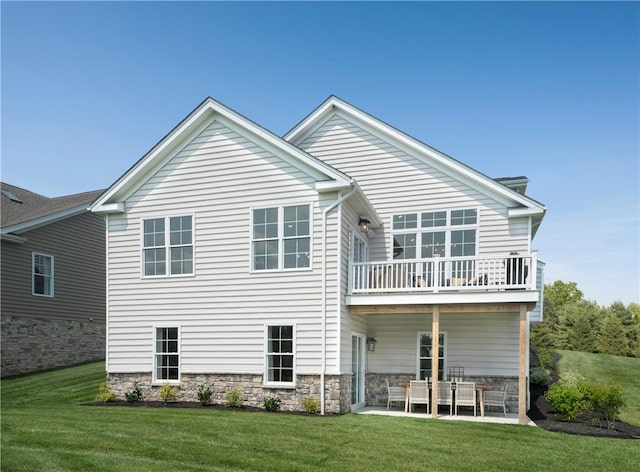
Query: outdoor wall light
point(371, 344)
point(364, 225)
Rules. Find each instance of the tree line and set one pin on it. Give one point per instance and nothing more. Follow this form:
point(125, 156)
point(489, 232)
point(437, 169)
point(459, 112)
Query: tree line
point(570, 322)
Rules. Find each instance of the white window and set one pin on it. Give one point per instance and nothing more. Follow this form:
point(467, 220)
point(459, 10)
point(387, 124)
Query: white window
point(280, 359)
point(444, 233)
point(42, 275)
point(425, 355)
point(358, 248)
point(281, 238)
point(167, 246)
point(166, 366)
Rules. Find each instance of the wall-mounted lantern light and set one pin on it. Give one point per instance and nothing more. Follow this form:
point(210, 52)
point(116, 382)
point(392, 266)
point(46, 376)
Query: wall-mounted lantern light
point(371, 344)
point(364, 225)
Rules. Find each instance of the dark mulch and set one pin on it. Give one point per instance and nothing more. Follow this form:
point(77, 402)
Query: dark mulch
point(544, 416)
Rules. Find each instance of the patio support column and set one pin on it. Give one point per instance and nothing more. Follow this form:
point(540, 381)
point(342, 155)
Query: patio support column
point(522, 377)
point(435, 350)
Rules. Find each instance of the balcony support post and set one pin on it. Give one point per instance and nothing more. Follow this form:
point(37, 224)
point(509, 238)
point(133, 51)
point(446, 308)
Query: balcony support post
point(435, 356)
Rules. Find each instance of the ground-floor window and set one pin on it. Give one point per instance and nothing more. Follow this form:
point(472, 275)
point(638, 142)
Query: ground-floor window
point(167, 355)
point(279, 354)
point(425, 355)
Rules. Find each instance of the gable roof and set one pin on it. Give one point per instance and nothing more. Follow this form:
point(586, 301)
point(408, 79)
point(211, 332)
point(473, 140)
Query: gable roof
point(327, 178)
point(524, 205)
point(29, 210)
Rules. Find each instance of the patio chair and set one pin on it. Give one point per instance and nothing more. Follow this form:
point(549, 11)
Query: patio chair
point(395, 394)
point(418, 393)
point(496, 398)
point(466, 395)
point(445, 395)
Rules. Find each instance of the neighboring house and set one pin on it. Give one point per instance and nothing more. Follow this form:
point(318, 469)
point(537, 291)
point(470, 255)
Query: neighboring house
point(52, 281)
point(321, 263)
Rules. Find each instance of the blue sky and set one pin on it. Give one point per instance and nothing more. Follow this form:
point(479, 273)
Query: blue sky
point(548, 90)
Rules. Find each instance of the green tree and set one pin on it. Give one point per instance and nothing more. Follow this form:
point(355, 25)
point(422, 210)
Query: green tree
point(579, 324)
point(612, 339)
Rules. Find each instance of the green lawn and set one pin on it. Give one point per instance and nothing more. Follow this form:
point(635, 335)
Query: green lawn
point(600, 368)
point(45, 427)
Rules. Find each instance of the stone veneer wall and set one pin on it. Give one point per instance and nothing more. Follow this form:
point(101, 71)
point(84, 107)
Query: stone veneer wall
point(31, 344)
point(376, 387)
point(337, 388)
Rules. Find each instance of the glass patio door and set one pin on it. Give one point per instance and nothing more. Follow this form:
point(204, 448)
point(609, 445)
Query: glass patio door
point(357, 370)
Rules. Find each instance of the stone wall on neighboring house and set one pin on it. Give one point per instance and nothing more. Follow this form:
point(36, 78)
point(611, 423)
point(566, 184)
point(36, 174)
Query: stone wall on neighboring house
point(253, 391)
point(34, 344)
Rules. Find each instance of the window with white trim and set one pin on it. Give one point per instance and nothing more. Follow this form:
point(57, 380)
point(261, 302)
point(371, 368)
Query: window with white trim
point(279, 355)
point(167, 246)
point(167, 354)
point(358, 248)
point(425, 355)
point(42, 274)
point(445, 233)
point(281, 238)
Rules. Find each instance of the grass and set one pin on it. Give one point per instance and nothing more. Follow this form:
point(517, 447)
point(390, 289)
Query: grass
point(46, 427)
point(601, 368)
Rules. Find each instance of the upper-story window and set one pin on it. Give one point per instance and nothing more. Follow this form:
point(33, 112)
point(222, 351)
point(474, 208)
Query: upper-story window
point(281, 238)
point(358, 248)
point(444, 233)
point(167, 246)
point(42, 275)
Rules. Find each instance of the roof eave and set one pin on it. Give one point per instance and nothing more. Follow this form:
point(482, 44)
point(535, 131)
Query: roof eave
point(45, 220)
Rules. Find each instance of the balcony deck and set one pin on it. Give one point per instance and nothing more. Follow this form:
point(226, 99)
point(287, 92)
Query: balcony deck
point(471, 280)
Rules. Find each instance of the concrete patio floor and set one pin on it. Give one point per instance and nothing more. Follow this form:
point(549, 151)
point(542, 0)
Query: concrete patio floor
point(490, 417)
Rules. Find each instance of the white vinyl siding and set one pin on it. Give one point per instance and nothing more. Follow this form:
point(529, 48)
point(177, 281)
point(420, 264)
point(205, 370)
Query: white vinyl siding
point(484, 344)
point(396, 182)
point(220, 176)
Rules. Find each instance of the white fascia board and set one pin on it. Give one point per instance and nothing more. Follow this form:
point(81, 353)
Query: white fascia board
point(45, 220)
point(524, 211)
point(194, 123)
point(410, 145)
point(109, 208)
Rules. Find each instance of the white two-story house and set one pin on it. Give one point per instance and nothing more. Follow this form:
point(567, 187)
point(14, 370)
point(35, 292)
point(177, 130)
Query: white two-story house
point(322, 263)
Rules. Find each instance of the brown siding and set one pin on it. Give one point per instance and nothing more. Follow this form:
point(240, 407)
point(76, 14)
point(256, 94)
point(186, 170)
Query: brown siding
point(78, 247)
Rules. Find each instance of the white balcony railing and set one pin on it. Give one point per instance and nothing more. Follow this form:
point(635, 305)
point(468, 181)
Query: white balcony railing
point(440, 274)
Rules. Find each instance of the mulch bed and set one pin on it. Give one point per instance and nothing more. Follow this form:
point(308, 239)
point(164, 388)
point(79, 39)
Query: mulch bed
point(544, 416)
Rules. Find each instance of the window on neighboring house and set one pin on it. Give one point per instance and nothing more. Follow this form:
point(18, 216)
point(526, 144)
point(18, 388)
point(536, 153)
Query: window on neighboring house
point(280, 356)
point(425, 355)
point(167, 246)
point(167, 355)
point(42, 280)
point(281, 238)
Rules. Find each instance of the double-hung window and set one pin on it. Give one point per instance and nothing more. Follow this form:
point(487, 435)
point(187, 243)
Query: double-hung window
point(167, 246)
point(167, 354)
point(280, 358)
point(42, 275)
point(281, 238)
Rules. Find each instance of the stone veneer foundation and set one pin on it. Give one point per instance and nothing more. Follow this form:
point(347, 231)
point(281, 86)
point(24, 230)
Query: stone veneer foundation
point(33, 344)
point(337, 388)
point(376, 387)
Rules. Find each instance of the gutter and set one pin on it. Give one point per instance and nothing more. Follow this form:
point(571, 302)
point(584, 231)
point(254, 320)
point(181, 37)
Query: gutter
point(325, 213)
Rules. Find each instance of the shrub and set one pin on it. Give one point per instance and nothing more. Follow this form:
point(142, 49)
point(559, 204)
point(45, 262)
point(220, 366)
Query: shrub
point(272, 404)
point(104, 394)
point(545, 357)
point(570, 396)
point(234, 398)
point(204, 394)
point(134, 395)
point(608, 400)
point(540, 376)
point(311, 405)
point(168, 393)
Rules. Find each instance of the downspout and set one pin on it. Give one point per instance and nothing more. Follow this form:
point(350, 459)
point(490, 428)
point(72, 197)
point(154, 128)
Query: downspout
point(323, 370)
